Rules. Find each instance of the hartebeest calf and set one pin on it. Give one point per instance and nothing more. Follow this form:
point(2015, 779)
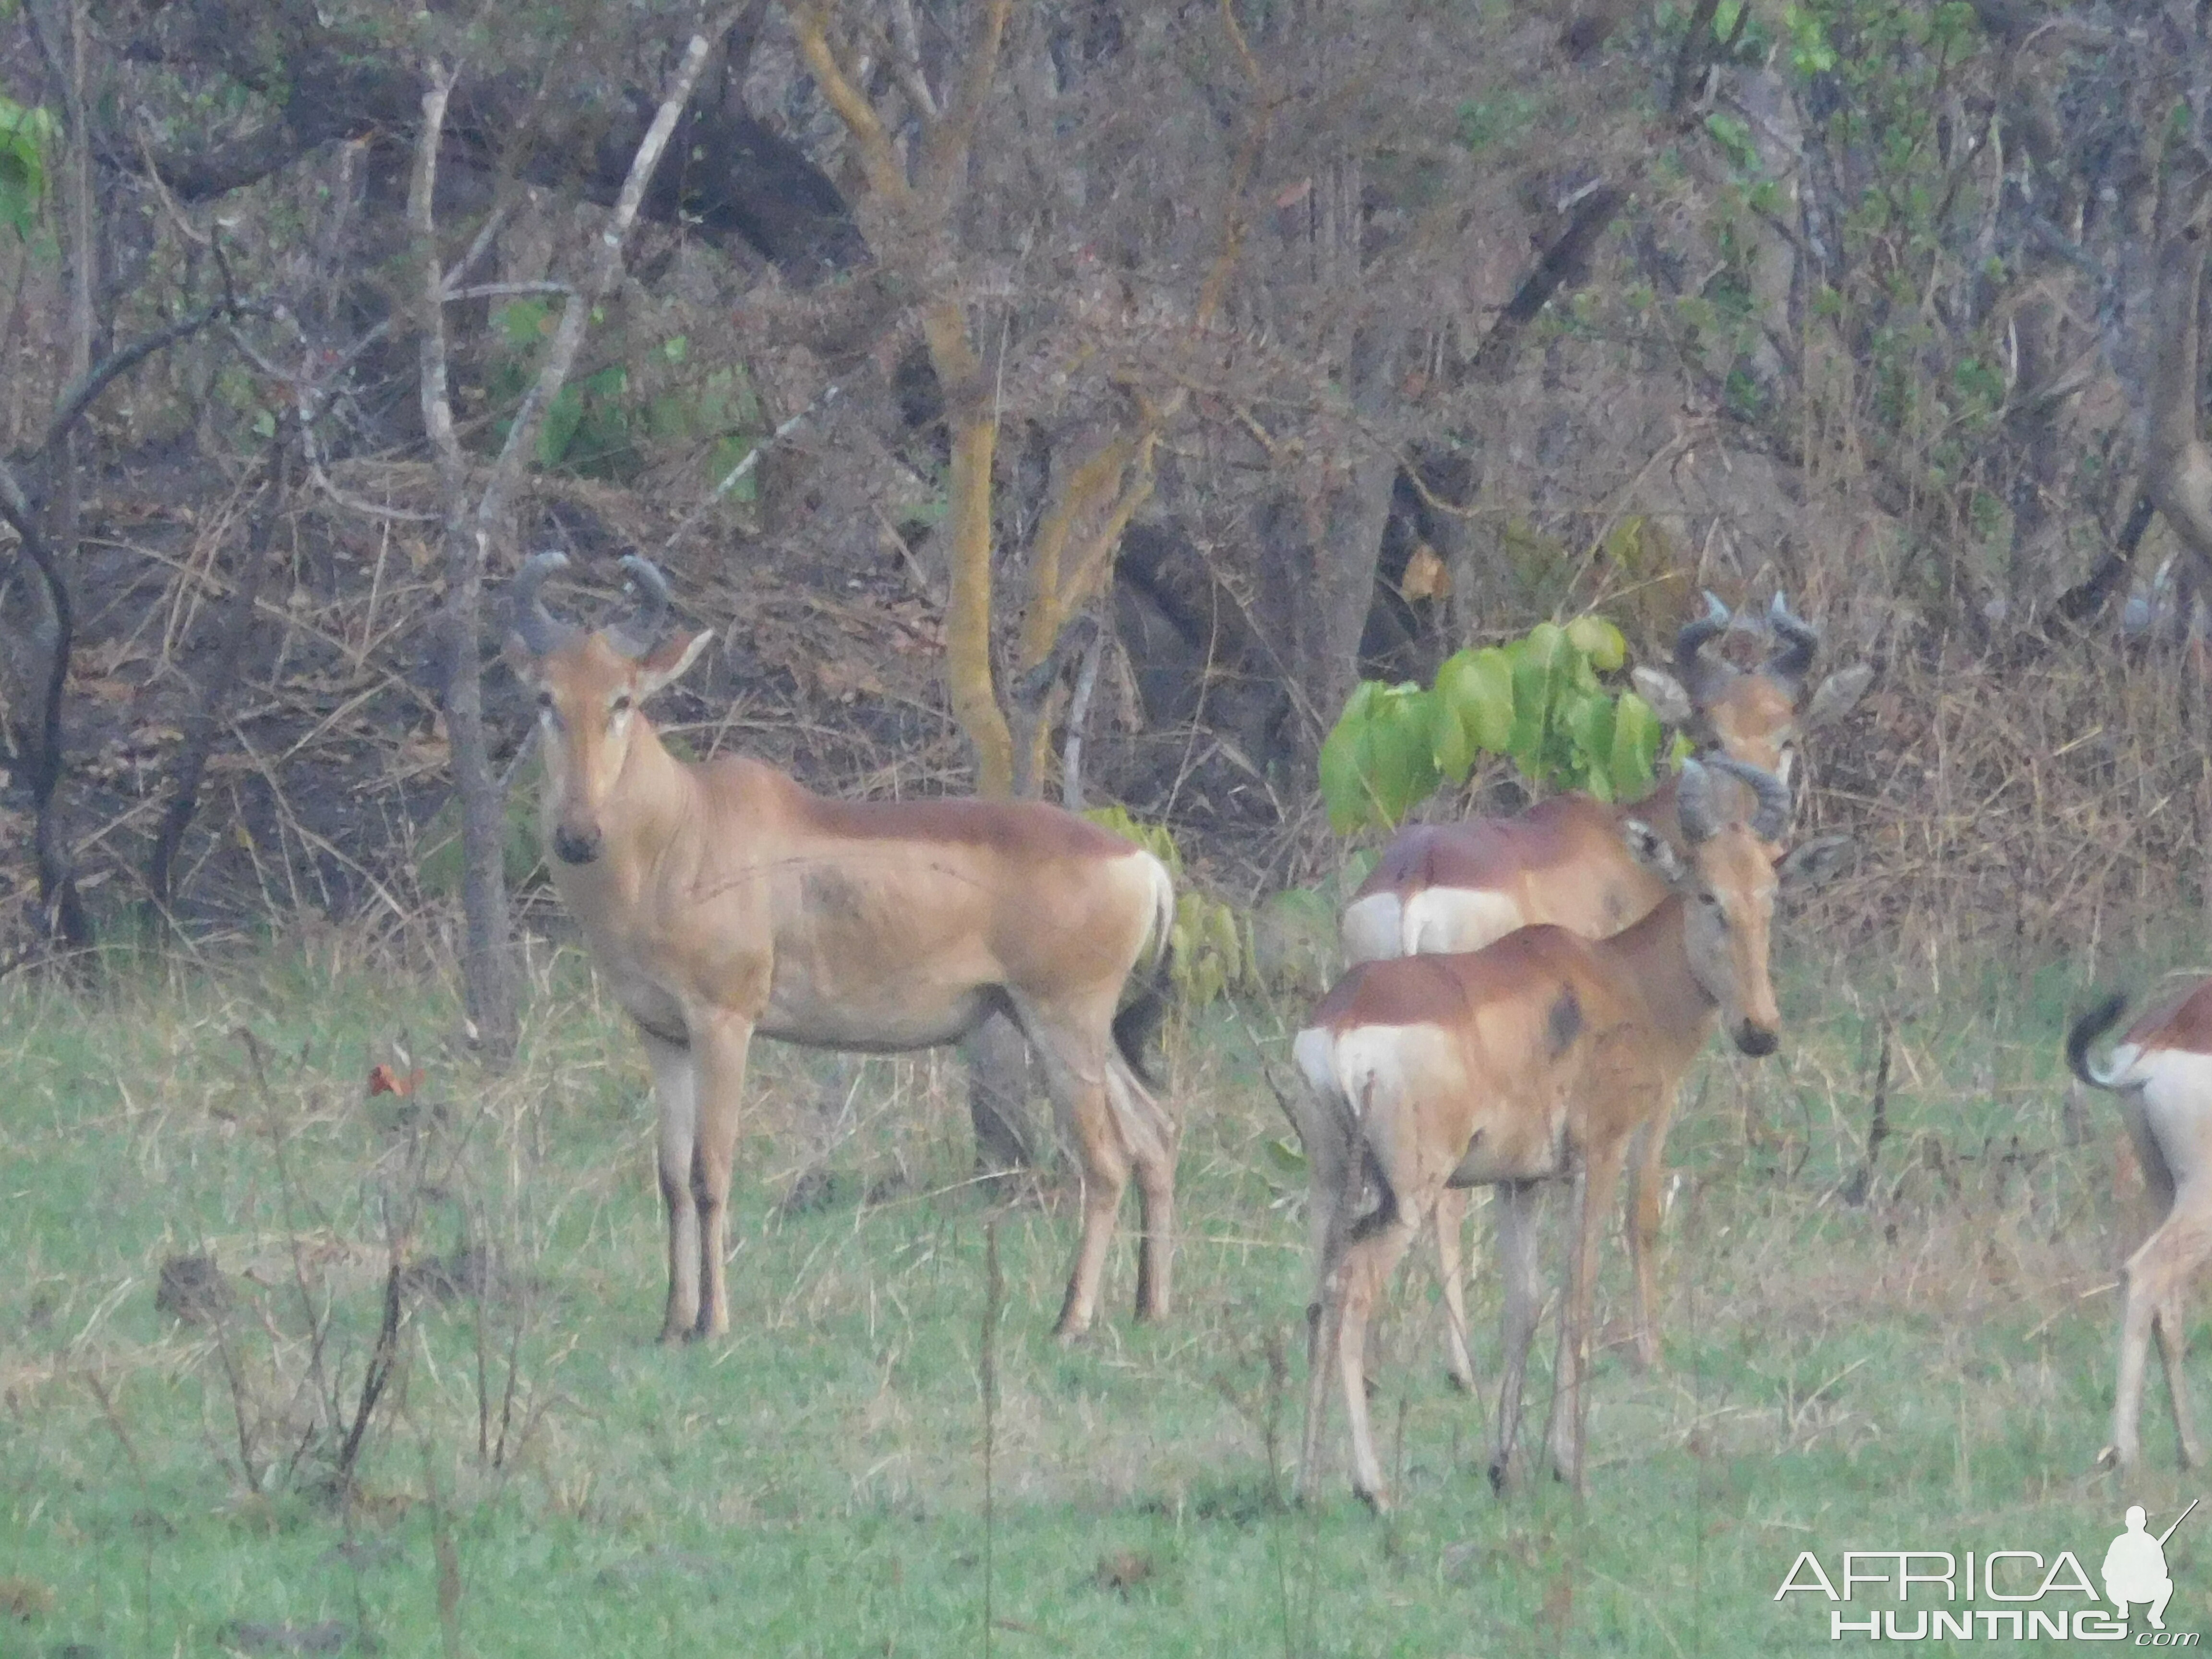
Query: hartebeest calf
point(1460, 886)
point(2161, 1069)
point(721, 901)
point(1534, 1059)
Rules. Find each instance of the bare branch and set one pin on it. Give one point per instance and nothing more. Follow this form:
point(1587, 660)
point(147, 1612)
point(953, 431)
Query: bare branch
point(606, 267)
point(437, 400)
point(810, 26)
point(906, 62)
point(946, 150)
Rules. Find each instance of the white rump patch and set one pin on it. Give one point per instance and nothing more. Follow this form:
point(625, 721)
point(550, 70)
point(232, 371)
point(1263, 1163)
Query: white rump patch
point(1371, 928)
point(1440, 921)
point(1314, 1052)
point(2177, 1097)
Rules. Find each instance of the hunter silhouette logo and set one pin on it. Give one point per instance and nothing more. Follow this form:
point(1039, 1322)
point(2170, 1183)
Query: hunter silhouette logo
point(1998, 1595)
point(2135, 1566)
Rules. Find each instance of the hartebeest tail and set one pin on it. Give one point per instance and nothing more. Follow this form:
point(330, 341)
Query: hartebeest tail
point(722, 901)
point(1448, 887)
point(1537, 1058)
point(2161, 1070)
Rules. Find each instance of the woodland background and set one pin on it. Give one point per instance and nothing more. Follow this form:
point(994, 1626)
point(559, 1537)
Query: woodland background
point(1292, 341)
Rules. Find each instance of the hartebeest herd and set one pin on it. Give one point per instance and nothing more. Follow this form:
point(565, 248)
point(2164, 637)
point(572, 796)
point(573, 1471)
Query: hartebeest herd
point(1525, 996)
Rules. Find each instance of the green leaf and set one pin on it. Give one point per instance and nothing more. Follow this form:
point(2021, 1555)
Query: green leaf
point(1589, 723)
point(1477, 686)
point(1288, 1161)
point(1605, 645)
point(1450, 743)
point(1636, 735)
point(27, 134)
point(1343, 789)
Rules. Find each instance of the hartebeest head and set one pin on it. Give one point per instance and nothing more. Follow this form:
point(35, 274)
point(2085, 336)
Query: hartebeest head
point(589, 684)
point(1753, 715)
point(1728, 884)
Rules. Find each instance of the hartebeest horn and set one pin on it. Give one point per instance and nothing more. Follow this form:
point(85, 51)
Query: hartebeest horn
point(637, 635)
point(1771, 816)
point(541, 630)
point(1693, 803)
point(1793, 661)
point(1697, 671)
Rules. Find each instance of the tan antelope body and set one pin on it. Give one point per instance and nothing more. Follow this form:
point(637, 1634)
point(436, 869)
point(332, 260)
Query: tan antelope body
point(2161, 1069)
point(1534, 1059)
point(1440, 888)
point(722, 901)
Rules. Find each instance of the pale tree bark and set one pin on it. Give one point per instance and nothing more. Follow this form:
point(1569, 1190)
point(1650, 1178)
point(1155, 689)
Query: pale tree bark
point(2176, 463)
point(473, 525)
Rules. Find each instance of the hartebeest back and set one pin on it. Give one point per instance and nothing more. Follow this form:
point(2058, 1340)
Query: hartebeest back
point(2161, 1069)
point(1535, 1058)
point(1461, 886)
point(722, 901)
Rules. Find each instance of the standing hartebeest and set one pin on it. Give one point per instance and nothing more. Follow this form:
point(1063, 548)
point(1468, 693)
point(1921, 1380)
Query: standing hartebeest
point(2161, 1069)
point(722, 901)
point(1533, 1059)
point(1461, 886)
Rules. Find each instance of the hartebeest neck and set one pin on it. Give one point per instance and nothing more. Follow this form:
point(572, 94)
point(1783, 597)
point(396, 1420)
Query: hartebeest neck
point(1654, 957)
point(647, 816)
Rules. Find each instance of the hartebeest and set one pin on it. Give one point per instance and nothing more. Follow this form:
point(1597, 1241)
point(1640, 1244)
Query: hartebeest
point(2161, 1069)
point(1533, 1059)
point(721, 901)
point(1461, 886)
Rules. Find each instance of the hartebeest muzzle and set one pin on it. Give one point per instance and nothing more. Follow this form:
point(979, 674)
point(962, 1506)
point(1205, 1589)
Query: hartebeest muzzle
point(574, 845)
point(1756, 1040)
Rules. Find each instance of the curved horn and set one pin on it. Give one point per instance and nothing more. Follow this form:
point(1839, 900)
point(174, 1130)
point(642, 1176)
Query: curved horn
point(1701, 675)
point(637, 633)
point(1801, 643)
point(1771, 817)
point(1693, 803)
point(1695, 633)
point(541, 630)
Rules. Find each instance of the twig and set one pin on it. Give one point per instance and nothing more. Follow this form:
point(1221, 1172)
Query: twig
point(738, 473)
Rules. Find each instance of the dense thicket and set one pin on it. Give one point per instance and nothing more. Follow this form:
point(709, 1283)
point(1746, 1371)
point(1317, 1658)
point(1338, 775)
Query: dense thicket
point(1292, 341)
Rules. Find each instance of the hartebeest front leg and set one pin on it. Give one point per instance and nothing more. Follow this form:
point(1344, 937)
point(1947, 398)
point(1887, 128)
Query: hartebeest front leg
point(676, 1105)
point(1646, 1188)
point(1517, 1269)
point(1595, 1190)
point(720, 1044)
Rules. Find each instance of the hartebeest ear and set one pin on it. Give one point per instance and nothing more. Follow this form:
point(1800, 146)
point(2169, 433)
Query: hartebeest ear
point(1837, 694)
point(1664, 693)
point(1653, 851)
point(667, 662)
point(1808, 864)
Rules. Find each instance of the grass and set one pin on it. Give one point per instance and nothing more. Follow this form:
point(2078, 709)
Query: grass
point(1931, 1369)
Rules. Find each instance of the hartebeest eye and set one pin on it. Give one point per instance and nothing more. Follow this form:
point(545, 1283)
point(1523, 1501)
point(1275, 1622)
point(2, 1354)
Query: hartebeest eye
point(621, 704)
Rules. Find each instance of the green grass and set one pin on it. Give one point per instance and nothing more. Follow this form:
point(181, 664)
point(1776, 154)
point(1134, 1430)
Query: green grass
point(1929, 1370)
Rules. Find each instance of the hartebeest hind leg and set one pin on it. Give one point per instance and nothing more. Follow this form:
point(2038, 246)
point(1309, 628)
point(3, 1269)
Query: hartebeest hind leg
point(1378, 1242)
point(1154, 1154)
point(1449, 1220)
point(1116, 1127)
point(2157, 1279)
